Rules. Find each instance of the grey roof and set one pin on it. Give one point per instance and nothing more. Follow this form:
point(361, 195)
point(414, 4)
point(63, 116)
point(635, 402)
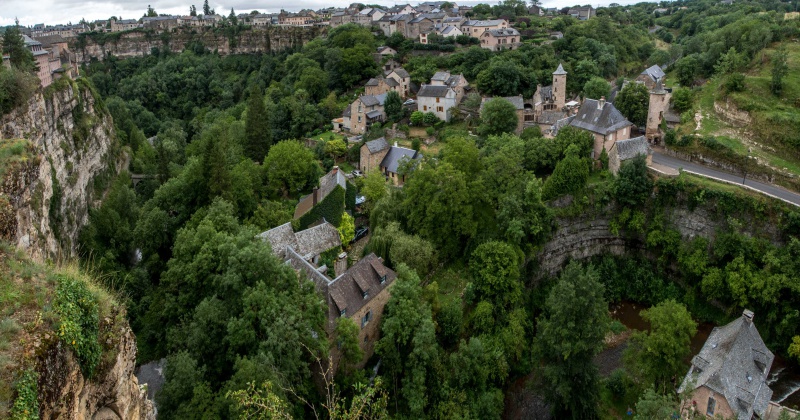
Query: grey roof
point(30, 41)
point(599, 120)
point(439, 15)
point(372, 82)
point(374, 114)
point(372, 100)
point(503, 32)
point(630, 148)
point(560, 70)
point(551, 117)
point(440, 76)
point(391, 82)
point(384, 48)
point(546, 93)
point(401, 72)
point(329, 181)
point(735, 362)
point(433, 91)
point(561, 124)
point(659, 88)
point(127, 21)
point(482, 23)
point(418, 19)
point(377, 145)
point(447, 29)
point(307, 243)
point(347, 111)
point(392, 159)
point(654, 72)
point(364, 277)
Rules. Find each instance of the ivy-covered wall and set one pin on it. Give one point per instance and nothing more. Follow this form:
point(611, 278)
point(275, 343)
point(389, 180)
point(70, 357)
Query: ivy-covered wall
point(330, 208)
point(350, 197)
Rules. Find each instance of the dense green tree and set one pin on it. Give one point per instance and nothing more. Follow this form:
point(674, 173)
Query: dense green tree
point(682, 99)
point(345, 339)
point(374, 188)
point(779, 70)
point(523, 217)
point(463, 154)
point(657, 356)
point(215, 169)
point(495, 273)
point(569, 176)
point(569, 334)
point(259, 135)
point(290, 167)
point(502, 78)
point(794, 348)
point(498, 116)
point(685, 69)
point(20, 56)
point(206, 9)
point(596, 88)
point(655, 406)
point(633, 185)
point(440, 203)
point(393, 106)
point(411, 250)
point(633, 101)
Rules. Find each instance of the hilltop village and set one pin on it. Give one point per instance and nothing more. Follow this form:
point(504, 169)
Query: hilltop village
point(418, 211)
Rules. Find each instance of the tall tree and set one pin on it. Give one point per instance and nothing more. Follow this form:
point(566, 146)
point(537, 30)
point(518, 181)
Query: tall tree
point(232, 17)
point(290, 167)
point(596, 88)
point(192, 10)
point(151, 12)
point(569, 335)
point(14, 45)
point(632, 102)
point(779, 70)
point(206, 9)
point(657, 356)
point(633, 185)
point(257, 131)
point(215, 169)
point(394, 106)
point(495, 274)
point(498, 116)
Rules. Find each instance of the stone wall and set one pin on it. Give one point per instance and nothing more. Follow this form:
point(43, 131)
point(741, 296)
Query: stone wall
point(142, 42)
point(728, 112)
point(76, 155)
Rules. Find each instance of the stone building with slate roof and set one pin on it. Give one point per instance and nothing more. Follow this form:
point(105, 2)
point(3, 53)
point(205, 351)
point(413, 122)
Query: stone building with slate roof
point(657, 109)
point(501, 39)
point(309, 244)
point(650, 76)
point(604, 121)
point(728, 378)
point(327, 183)
point(378, 155)
point(624, 150)
point(365, 111)
point(437, 99)
point(403, 79)
point(549, 102)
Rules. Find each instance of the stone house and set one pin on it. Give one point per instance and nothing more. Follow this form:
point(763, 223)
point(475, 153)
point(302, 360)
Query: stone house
point(378, 155)
point(295, 19)
point(373, 13)
point(340, 18)
point(437, 99)
point(387, 51)
point(657, 111)
point(549, 102)
point(385, 23)
point(728, 377)
point(327, 183)
point(404, 9)
point(418, 25)
point(475, 28)
point(624, 150)
point(42, 58)
point(582, 13)
point(501, 39)
point(403, 79)
point(123, 25)
point(359, 293)
point(650, 76)
point(261, 20)
point(160, 23)
point(365, 111)
point(457, 82)
point(441, 29)
point(376, 86)
point(604, 121)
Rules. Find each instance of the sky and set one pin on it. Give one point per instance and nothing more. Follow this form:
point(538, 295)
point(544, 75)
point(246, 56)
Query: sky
point(51, 12)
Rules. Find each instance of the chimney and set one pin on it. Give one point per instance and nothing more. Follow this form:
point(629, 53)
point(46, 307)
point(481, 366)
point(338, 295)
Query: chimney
point(748, 315)
point(395, 144)
point(314, 195)
point(335, 169)
point(601, 103)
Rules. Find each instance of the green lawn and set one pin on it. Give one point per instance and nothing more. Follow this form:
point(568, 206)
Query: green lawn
point(328, 135)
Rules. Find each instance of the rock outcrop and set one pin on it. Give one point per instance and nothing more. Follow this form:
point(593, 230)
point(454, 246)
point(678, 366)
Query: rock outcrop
point(222, 40)
point(112, 394)
point(74, 155)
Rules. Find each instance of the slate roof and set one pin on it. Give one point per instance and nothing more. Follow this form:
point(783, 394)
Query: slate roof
point(448, 29)
point(561, 124)
point(735, 362)
point(327, 183)
point(483, 23)
point(551, 117)
point(347, 112)
point(654, 72)
point(372, 82)
point(401, 72)
point(48, 40)
point(630, 148)
point(307, 243)
point(372, 100)
point(396, 154)
point(546, 93)
point(391, 82)
point(377, 145)
point(374, 114)
point(503, 32)
point(433, 91)
point(347, 290)
point(560, 70)
point(599, 120)
point(440, 76)
point(418, 19)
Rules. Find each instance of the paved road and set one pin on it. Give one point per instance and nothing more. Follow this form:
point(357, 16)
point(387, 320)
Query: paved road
point(769, 189)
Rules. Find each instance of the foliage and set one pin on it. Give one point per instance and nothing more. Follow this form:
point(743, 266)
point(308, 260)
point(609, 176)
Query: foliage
point(331, 208)
point(260, 404)
point(26, 405)
point(417, 253)
point(291, 167)
point(498, 116)
point(794, 348)
point(20, 57)
point(79, 323)
point(779, 71)
point(16, 87)
point(271, 213)
point(347, 228)
point(336, 148)
point(259, 136)
point(393, 106)
point(596, 88)
point(655, 406)
point(417, 118)
point(569, 335)
point(350, 196)
point(632, 101)
point(682, 99)
point(633, 184)
point(569, 177)
point(345, 337)
point(503, 78)
point(657, 356)
point(495, 274)
point(374, 188)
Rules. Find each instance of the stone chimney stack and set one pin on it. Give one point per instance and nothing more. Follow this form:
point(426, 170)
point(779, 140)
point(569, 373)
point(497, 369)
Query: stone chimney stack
point(748, 315)
point(601, 103)
point(395, 144)
point(335, 170)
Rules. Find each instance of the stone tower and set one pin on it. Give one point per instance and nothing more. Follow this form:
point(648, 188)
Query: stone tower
point(659, 104)
point(560, 87)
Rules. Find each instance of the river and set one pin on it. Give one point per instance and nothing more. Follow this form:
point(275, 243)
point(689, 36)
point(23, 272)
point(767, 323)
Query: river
point(784, 377)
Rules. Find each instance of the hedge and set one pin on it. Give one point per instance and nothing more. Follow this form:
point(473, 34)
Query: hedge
point(350, 197)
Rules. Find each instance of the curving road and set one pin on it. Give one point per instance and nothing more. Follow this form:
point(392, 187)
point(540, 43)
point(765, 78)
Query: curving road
point(768, 189)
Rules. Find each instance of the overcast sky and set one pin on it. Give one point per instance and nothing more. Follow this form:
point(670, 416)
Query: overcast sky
point(51, 12)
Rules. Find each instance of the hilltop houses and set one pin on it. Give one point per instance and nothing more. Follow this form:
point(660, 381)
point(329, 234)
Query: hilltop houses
point(501, 39)
point(378, 155)
point(365, 111)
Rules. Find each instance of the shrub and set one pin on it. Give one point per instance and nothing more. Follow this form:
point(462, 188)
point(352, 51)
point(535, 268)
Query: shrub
point(26, 405)
point(429, 118)
point(416, 143)
point(79, 323)
point(417, 118)
point(430, 131)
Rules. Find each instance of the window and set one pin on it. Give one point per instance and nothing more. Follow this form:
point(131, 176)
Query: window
point(365, 320)
point(424, 107)
point(359, 118)
point(343, 312)
point(359, 107)
point(712, 404)
point(440, 109)
point(437, 100)
point(383, 279)
point(365, 295)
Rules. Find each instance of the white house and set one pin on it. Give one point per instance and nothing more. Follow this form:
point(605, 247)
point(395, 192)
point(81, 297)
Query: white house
point(437, 99)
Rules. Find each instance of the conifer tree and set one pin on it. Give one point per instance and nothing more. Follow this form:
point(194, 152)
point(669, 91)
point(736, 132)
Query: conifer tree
point(256, 127)
point(206, 8)
point(14, 45)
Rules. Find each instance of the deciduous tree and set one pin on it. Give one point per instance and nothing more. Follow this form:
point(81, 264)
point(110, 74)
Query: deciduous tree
point(498, 116)
point(290, 167)
point(257, 130)
point(633, 102)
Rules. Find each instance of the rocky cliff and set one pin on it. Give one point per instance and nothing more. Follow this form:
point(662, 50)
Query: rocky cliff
point(225, 41)
point(71, 153)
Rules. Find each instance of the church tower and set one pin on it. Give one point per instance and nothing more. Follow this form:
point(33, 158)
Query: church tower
point(659, 104)
point(560, 87)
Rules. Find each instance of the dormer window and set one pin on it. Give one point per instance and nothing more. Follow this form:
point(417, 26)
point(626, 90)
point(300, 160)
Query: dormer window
point(383, 279)
point(343, 312)
point(365, 295)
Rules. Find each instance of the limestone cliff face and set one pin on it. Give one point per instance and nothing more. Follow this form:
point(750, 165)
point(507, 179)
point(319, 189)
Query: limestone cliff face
point(74, 155)
point(139, 43)
point(112, 394)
